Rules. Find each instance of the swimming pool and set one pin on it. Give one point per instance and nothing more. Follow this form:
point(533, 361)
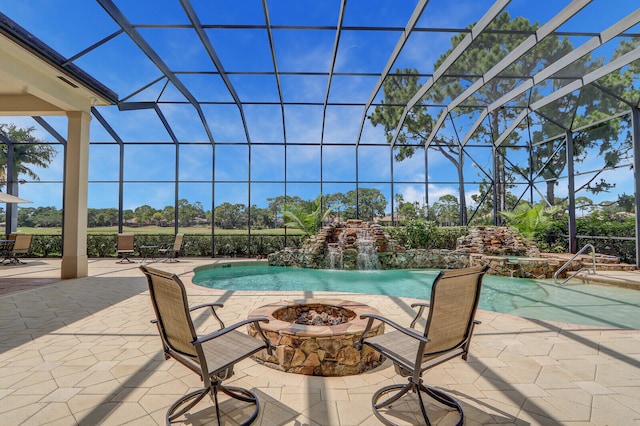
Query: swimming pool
point(499, 294)
point(537, 299)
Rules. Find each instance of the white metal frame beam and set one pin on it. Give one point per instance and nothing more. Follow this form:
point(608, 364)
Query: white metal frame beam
point(477, 29)
point(592, 44)
point(413, 20)
point(612, 66)
point(531, 41)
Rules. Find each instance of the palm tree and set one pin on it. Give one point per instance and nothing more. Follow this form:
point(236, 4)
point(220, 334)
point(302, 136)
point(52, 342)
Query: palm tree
point(307, 219)
point(530, 220)
point(26, 150)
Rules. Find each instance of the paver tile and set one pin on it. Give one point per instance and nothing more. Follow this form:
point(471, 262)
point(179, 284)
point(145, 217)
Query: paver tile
point(90, 356)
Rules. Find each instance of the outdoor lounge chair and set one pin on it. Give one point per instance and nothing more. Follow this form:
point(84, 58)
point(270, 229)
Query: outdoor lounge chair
point(447, 335)
point(20, 248)
point(125, 247)
point(171, 252)
point(212, 356)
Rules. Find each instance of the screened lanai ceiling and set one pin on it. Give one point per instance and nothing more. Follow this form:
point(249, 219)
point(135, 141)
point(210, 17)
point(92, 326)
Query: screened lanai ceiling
point(351, 72)
point(216, 71)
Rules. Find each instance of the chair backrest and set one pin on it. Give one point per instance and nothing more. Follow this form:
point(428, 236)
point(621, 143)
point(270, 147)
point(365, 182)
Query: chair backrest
point(177, 244)
point(126, 242)
point(454, 301)
point(22, 243)
point(169, 300)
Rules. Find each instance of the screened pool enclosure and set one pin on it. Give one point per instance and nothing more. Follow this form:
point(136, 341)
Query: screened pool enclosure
point(209, 115)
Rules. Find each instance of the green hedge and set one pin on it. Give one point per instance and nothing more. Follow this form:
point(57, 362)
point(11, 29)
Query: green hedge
point(46, 246)
point(412, 235)
point(603, 232)
point(417, 234)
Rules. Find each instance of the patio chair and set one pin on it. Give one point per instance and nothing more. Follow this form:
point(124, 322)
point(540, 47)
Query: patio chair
point(20, 248)
point(447, 335)
point(171, 252)
point(125, 247)
point(212, 356)
point(5, 249)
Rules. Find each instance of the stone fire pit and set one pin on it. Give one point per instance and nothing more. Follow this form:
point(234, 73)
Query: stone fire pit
point(316, 337)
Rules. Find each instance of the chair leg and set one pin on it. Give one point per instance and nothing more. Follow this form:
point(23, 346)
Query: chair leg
point(125, 259)
point(171, 258)
point(176, 410)
point(419, 389)
point(245, 395)
point(195, 396)
point(12, 260)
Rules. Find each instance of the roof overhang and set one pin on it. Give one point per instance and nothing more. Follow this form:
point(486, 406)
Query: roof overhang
point(34, 79)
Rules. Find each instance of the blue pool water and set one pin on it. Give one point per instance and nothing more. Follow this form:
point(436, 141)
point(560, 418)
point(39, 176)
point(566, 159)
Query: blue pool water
point(499, 294)
point(594, 305)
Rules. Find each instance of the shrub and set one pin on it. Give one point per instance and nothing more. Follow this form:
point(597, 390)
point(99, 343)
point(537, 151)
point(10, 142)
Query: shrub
point(46, 246)
point(420, 233)
point(604, 232)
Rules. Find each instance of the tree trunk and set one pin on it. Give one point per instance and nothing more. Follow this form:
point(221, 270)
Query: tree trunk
point(463, 201)
point(499, 174)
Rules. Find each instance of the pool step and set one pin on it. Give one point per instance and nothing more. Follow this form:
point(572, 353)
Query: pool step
point(574, 266)
point(626, 279)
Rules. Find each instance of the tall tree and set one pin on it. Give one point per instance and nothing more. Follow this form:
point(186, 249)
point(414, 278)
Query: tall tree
point(446, 209)
point(230, 216)
point(334, 202)
point(27, 150)
point(365, 204)
point(189, 214)
point(487, 50)
point(610, 140)
point(144, 214)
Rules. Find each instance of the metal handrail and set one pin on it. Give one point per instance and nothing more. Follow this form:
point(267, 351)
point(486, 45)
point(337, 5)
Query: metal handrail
point(563, 267)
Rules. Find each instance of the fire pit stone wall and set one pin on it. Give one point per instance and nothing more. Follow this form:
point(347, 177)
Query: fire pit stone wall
point(318, 350)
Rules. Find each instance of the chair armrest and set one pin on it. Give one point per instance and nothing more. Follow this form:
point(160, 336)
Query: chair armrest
point(421, 305)
point(213, 310)
point(205, 305)
point(409, 332)
point(226, 330)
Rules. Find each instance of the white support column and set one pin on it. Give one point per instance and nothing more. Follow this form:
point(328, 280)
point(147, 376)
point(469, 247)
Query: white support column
point(75, 262)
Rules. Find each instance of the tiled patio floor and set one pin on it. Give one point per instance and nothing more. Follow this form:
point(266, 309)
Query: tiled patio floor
point(82, 352)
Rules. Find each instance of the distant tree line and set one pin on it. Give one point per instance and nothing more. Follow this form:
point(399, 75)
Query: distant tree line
point(372, 204)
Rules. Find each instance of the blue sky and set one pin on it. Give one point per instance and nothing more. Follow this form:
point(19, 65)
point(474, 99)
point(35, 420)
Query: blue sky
point(70, 26)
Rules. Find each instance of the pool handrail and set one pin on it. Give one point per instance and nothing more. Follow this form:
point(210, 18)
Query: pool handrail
point(592, 269)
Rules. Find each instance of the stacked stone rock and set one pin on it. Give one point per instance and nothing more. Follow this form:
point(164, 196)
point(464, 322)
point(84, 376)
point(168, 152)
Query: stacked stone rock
point(313, 253)
point(498, 241)
point(390, 254)
point(501, 248)
point(319, 350)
